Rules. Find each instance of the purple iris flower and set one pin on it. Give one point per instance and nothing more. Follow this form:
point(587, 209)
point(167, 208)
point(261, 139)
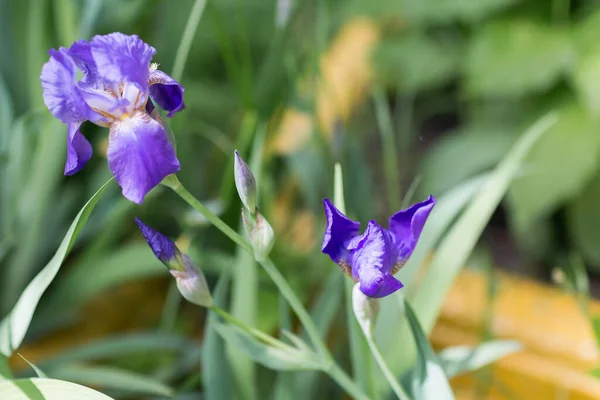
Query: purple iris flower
point(374, 257)
point(116, 82)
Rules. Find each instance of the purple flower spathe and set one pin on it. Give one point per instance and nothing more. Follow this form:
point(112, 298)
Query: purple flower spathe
point(115, 91)
point(163, 248)
point(374, 257)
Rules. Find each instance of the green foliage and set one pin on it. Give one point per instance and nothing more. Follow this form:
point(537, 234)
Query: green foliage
point(416, 62)
point(458, 360)
point(47, 389)
point(428, 378)
point(514, 57)
point(480, 69)
point(546, 182)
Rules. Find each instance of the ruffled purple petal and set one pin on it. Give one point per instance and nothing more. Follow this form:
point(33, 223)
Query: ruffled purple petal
point(58, 84)
point(407, 225)
point(79, 150)
point(140, 155)
point(122, 58)
point(163, 248)
point(338, 231)
point(166, 92)
point(371, 257)
point(81, 53)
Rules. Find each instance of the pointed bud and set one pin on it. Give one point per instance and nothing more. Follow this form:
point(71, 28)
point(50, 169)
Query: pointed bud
point(190, 281)
point(365, 310)
point(245, 183)
point(260, 233)
point(192, 284)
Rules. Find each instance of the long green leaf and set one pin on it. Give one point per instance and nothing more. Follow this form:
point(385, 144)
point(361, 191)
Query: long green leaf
point(5, 372)
point(38, 371)
point(216, 371)
point(389, 330)
point(460, 241)
point(112, 378)
point(429, 379)
point(14, 326)
point(120, 346)
point(458, 360)
point(289, 359)
point(47, 389)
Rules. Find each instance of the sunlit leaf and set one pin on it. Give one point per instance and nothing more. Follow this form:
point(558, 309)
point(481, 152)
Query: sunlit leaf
point(457, 245)
point(288, 359)
point(458, 360)
point(112, 378)
point(47, 389)
point(14, 326)
point(38, 371)
point(428, 378)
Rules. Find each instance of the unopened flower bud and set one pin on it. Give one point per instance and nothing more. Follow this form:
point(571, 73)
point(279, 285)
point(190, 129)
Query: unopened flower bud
point(190, 281)
point(365, 309)
point(260, 233)
point(192, 284)
point(245, 183)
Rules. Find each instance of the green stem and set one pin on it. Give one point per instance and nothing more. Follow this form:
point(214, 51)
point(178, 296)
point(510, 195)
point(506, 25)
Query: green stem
point(342, 379)
point(252, 331)
point(186, 39)
point(296, 304)
point(329, 365)
point(172, 182)
point(400, 393)
point(390, 161)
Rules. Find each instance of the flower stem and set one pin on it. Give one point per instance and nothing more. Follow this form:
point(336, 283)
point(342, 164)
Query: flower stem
point(329, 365)
point(398, 390)
point(252, 331)
point(172, 182)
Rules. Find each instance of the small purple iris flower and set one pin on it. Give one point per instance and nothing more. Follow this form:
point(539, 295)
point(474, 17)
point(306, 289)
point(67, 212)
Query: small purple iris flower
point(117, 81)
point(374, 257)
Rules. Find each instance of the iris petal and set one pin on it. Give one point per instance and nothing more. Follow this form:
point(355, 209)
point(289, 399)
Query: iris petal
point(79, 150)
point(122, 58)
point(372, 256)
point(338, 231)
point(407, 225)
point(140, 155)
point(58, 84)
point(166, 92)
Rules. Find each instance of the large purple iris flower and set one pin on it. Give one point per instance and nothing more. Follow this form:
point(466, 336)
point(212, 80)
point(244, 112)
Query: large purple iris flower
point(374, 257)
point(116, 82)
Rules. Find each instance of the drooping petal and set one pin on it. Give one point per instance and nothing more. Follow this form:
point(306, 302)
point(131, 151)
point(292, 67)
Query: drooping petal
point(122, 58)
point(371, 257)
point(166, 92)
point(140, 155)
point(58, 84)
point(407, 225)
point(79, 150)
point(338, 231)
point(163, 248)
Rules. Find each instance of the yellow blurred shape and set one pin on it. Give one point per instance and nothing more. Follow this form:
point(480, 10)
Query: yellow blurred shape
point(560, 348)
point(344, 77)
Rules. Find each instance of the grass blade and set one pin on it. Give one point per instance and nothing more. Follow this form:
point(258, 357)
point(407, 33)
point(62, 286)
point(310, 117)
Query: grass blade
point(113, 378)
point(47, 389)
point(14, 326)
point(460, 241)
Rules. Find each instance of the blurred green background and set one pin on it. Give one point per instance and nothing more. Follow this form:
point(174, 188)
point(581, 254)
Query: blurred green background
point(452, 85)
